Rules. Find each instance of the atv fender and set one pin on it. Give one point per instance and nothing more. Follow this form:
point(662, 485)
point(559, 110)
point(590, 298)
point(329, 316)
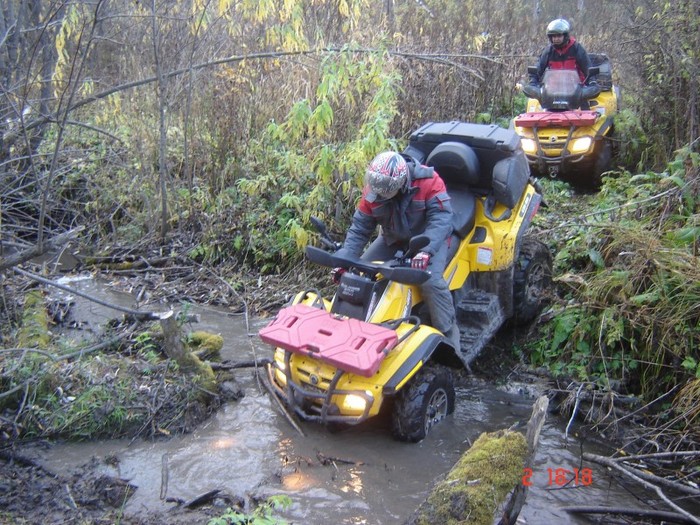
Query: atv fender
point(425, 344)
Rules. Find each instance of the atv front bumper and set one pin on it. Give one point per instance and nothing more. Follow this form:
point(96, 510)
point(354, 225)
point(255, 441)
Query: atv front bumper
point(560, 164)
point(323, 403)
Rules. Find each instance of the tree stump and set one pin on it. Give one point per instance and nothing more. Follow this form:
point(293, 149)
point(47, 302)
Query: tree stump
point(186, 360)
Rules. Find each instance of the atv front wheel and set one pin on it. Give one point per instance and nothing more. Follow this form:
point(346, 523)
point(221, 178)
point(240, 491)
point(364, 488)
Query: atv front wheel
point(427, 399)
point(603, 163)
point(532, 280)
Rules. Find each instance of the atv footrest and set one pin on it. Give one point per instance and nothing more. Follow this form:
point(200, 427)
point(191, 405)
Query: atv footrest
point(348, 344)
point(479, 315)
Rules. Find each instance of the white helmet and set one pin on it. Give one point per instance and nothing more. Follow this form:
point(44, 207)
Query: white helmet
point(386, 175)
point(559, 27)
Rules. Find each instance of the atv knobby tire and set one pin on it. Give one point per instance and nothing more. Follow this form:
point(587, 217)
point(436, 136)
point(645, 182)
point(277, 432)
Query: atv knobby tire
point(603, 163)
point(427, 399)
point(532, 280)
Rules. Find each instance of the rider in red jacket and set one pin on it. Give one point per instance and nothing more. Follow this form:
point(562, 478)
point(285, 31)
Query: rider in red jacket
point(406, 199)
point(564, 52)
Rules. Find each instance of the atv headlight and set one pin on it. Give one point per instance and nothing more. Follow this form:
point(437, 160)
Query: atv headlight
point(581, 145)
point(529, 146)
point(355, 403)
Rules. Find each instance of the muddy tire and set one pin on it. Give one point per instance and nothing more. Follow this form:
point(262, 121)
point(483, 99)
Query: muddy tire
point(603, 163)
point(532, 280)
point(428, 398)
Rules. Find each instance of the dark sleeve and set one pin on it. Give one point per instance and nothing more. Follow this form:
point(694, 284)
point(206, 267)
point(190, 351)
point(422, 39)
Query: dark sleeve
point(542, 64)
point(583, 61)
point(361, 229)
point(438, 218)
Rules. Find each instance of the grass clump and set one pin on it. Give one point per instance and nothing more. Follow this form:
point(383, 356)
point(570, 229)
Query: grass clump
point(628, 278)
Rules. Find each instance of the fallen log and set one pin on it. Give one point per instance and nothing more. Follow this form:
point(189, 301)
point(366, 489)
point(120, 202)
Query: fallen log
point(39, 249)
point(486, 482)
point(650, 482)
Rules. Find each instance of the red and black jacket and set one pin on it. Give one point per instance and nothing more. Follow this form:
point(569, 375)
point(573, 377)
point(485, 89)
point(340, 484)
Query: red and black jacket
point(571, 56)
point(423, 208)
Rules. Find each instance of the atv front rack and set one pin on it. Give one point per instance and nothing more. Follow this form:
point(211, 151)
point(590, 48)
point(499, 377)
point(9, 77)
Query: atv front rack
point(557, 119)
point(348, 344)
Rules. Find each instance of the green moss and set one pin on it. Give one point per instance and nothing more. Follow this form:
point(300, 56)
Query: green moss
point(34, 332)
point(205, 344)
point(478, 483)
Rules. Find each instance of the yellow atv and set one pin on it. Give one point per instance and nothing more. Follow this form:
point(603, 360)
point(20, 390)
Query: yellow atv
point(339, 360)
point(567, 126)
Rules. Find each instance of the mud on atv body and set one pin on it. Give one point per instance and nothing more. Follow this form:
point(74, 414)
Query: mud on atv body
point(567, 128)
point(340, 360)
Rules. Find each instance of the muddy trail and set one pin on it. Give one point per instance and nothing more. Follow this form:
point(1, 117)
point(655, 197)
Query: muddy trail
point(246, 451)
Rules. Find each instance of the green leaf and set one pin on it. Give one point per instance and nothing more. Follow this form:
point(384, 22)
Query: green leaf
point(596, 258)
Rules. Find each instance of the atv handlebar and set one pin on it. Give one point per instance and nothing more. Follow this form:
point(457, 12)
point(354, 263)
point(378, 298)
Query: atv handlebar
point(393, 273)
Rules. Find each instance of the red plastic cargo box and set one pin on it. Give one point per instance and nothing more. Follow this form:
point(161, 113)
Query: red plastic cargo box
point(349, 344)
point(560, 119)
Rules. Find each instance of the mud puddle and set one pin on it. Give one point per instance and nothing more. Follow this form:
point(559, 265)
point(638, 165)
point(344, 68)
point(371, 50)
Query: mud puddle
point(357, 476)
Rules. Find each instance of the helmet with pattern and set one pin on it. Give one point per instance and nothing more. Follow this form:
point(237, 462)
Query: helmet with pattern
point(558, 27)
point(386, 175)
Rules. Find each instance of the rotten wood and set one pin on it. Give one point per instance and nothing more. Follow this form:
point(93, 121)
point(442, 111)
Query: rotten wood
point(515, 502)
point(175, 349)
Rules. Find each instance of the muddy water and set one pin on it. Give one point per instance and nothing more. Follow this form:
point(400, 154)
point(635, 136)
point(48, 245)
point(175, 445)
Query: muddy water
point(357, 476)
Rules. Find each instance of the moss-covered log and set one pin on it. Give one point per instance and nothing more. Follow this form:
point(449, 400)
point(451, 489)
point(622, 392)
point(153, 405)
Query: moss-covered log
point(34, 331)
point(486, 483)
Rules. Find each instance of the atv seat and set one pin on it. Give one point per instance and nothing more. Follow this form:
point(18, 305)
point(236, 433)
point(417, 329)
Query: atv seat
point(458, 166)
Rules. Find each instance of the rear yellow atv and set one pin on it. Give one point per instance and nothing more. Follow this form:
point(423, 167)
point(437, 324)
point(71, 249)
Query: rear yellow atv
point(567, 128)
point(339, 360)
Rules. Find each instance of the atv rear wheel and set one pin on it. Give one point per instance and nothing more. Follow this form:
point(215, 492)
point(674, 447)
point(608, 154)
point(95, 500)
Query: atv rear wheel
point(428, 398)
point(532, 280)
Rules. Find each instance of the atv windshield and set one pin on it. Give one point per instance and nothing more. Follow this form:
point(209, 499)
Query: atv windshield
point(561, 89)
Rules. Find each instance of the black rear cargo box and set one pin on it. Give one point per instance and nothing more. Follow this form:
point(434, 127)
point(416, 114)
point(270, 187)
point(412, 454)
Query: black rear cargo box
point(492, 145)
point(602, 61)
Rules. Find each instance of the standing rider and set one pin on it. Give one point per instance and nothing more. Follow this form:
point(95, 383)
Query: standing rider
point(564, 52)
point(406, 199)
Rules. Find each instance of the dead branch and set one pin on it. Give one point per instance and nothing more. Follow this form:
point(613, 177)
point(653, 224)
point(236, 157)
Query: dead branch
point(634, 474)
point(642, 513)
point(242, 364)
point(38, 249)
point(139, 315)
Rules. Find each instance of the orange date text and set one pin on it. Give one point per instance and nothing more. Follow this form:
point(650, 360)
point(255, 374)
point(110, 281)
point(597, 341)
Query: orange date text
point(559, 477)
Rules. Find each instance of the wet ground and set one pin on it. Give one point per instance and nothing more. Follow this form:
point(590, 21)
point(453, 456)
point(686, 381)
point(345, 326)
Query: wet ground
point(247, 451)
